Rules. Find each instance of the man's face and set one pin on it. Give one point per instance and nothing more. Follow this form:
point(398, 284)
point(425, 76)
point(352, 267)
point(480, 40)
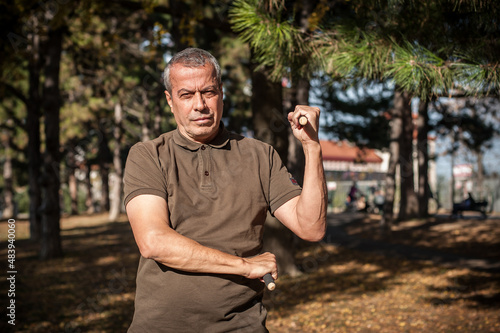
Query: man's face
point(196, 101)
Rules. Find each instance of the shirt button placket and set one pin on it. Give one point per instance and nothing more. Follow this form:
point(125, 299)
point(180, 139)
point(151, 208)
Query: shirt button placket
point(205, 155)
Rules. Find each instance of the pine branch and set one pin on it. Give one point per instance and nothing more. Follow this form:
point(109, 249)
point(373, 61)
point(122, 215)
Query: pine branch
point(347, 52)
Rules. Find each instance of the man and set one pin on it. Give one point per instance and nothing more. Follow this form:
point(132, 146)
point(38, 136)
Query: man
point(197, 199)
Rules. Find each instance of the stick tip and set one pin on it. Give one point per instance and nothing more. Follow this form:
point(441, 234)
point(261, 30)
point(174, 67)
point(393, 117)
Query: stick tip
point(269, 281)
point(303, 120)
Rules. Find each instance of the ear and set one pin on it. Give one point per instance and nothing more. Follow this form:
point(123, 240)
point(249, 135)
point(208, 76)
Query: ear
point(169, 99)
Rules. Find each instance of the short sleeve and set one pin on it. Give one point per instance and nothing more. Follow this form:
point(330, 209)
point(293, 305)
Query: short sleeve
point(282, 185)
point(143, 173)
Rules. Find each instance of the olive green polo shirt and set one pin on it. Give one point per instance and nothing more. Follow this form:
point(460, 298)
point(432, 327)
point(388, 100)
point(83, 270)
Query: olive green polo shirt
point(218, 194)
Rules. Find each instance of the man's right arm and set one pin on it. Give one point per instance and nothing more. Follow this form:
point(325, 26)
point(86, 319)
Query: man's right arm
point(148, 216)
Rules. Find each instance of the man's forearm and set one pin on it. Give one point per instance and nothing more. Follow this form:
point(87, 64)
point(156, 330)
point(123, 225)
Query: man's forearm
point(176, 251)
point(179, 252)
point(312, 204)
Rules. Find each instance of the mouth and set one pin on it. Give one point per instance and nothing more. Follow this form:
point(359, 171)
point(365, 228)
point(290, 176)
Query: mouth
point(203, 120)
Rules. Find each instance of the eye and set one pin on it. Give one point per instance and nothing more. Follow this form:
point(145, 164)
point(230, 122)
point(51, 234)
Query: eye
point(210, 93)
point(186, 95)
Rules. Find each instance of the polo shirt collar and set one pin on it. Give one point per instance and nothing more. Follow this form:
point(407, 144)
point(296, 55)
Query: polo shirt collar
point(220, 141)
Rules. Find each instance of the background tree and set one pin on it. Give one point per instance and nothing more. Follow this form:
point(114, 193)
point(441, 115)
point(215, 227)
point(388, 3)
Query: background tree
point(470, 123)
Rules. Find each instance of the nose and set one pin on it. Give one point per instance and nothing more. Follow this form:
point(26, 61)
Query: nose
point(199, 101)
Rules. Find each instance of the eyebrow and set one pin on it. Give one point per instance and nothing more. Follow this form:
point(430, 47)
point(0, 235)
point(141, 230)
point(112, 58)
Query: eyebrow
point(205, 89)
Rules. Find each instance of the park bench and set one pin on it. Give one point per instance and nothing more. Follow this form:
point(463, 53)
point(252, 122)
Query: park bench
point(478, 206)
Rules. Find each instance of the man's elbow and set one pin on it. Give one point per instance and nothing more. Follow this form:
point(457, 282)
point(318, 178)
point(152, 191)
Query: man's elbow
point(147, 246)
point(146, 251)
point(314, 235)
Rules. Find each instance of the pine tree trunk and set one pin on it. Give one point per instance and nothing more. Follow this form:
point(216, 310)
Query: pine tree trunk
point(146, 121)
point(105, 201)
point(423, 159)
point(396, 126)
point(9, 210)
point(408, 207)
point(116, 202)
point(89, 200)
point(269, 120)
point(33, 129)
point(480, 175)
point(452, 176)
point(50, 237)
point(158, 116)
point(178, 27)
point(298, 95)
point(104, 156)
point(72, 183)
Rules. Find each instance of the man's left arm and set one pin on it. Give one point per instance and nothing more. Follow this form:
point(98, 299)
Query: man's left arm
point(305, 214)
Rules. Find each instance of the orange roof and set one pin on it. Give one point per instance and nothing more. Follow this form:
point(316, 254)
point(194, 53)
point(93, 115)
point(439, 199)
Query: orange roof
point(345, 151)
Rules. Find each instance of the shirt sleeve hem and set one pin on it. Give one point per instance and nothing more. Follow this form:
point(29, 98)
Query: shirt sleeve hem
point(279, 202)
point(138, 192)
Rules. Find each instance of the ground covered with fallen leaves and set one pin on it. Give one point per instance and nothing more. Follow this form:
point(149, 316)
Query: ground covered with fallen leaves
point(91, 289)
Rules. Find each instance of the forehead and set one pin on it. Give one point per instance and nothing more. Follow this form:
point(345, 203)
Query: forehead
point(192, 77)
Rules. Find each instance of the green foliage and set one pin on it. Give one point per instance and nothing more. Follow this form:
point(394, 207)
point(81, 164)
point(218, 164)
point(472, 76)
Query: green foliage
point(275, 41)
point(419, 46)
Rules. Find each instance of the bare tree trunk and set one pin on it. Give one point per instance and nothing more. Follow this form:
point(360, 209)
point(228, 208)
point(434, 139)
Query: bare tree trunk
point(9, 210)
point(33, 129)
point(178, 29)
point(51, 238)
point(146, 117)
point(409, 203)
point(105, 201)
point(158, 115)
point(454, 148)
point(423, 158)
point(396, 125)
point(480, 175)
point(89, 201)
point(72, 183)
point(104, 156)
point(269, 121)
point(117, 163)
point(299, 95)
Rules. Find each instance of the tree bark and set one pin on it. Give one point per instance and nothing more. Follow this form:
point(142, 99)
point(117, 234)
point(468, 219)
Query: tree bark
point(396, 127)
point(158, 116)
point(423, 158)
point(298, 95)
point(408, 207)
point(72, 183)
point(104, 157)
point(9, 210)
point(480, 175)
point(105, 201)
point(33, 128)
point(116, 202)
point(269, 120)
point(51, 238)
point(146, 120)
point(89, 200)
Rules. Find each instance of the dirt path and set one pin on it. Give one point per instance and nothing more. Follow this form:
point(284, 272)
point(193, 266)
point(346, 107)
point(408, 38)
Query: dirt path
point(340, 231)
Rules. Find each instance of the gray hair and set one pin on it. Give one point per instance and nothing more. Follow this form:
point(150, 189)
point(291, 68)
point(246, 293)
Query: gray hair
point(191, 57)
